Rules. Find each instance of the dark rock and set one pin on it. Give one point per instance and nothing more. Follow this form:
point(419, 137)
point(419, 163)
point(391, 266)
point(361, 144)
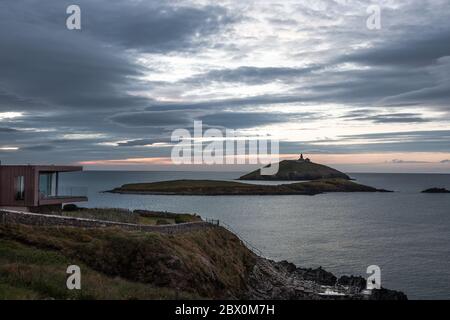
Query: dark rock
point(318, 275)
point(71, 207)
point(385, 294)
point(353, 281)
point(284, 281)
point(436, 190)
point(288, 266)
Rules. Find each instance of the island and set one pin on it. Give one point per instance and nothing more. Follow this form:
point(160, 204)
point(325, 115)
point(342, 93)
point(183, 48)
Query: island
point(301, 169)
point(436, 190)
point(225, 188)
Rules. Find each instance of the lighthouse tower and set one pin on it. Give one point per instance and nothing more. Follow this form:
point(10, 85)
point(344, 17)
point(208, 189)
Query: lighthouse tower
point(302, 159)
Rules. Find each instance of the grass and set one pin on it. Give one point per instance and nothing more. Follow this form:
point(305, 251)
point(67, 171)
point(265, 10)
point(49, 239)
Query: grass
point(118, 264)
point(182, 184)
point(127, 216)
point(30, 273)
point(213, 187)
point(104, 214)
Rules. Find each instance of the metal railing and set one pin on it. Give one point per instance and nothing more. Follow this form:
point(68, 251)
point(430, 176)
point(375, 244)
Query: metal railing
point(247, 243)
point(66, 192)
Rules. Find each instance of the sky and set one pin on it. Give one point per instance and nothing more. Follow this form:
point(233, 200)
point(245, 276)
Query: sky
point(310, 74)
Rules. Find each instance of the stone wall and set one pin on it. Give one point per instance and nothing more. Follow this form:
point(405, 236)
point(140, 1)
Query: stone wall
point(36, 219)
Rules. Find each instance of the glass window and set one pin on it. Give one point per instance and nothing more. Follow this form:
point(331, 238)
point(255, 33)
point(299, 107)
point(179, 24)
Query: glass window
point(20, 187)
point(47, 185)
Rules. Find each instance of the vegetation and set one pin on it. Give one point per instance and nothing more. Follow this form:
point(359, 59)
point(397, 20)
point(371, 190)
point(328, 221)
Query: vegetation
point(104, 214)
point(118, 264)
point(128, 216)
point(30, 273)
point(212, 187)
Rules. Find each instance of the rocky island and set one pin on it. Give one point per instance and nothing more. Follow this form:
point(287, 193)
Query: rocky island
point(436, 190)
point(222, 188)
point(301, 169)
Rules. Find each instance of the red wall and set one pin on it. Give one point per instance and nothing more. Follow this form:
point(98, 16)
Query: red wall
point(7, 188)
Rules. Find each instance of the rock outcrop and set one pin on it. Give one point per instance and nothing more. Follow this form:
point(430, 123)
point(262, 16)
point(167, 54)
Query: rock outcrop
point(298, 170)
point(284, 281)
point(436, 190)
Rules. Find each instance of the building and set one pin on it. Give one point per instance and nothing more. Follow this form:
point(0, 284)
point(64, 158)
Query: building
point(302, 159)
point(36, 188)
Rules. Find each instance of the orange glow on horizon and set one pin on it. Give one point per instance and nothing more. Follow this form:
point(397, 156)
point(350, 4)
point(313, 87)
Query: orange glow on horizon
point(344, 159)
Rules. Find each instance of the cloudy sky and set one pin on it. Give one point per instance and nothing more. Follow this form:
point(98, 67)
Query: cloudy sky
point(309, 73)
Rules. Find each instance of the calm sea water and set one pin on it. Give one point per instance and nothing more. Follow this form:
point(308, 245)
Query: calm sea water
point(406, 233)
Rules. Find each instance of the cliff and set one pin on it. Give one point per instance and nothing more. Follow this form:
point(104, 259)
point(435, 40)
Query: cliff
point(117, 264)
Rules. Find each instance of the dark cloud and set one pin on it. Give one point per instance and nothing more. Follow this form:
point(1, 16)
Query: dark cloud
point(154, 26)
point(411, 49)
point(231, 103)
point(152, 119)
point(38, 148)
point(238, 120)
point(392, 118)
point(74, 81)
point(143, 142)
point(253, 75)
point(7, 130)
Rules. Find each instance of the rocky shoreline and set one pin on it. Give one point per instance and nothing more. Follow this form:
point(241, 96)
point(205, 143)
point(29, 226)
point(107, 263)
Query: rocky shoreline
point(285, 281)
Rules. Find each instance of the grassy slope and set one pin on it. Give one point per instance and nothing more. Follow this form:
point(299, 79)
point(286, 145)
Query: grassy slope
point(118, 264)
point(225, 187)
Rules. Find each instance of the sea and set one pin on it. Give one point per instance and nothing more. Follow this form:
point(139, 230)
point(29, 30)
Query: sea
point(406, 233)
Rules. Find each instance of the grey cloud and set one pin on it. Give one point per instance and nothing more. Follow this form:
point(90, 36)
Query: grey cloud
point(424, 135)
point(55, 68)
point(437, 93)
point(253, 75)
point(152, 119)
point(8, 130)
point(237, 120)
point(399, 161)
point(154, 26)
point(143, 142)
point(411, 49)
point(394, 118)
point(38, 148)
point(231, 103)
